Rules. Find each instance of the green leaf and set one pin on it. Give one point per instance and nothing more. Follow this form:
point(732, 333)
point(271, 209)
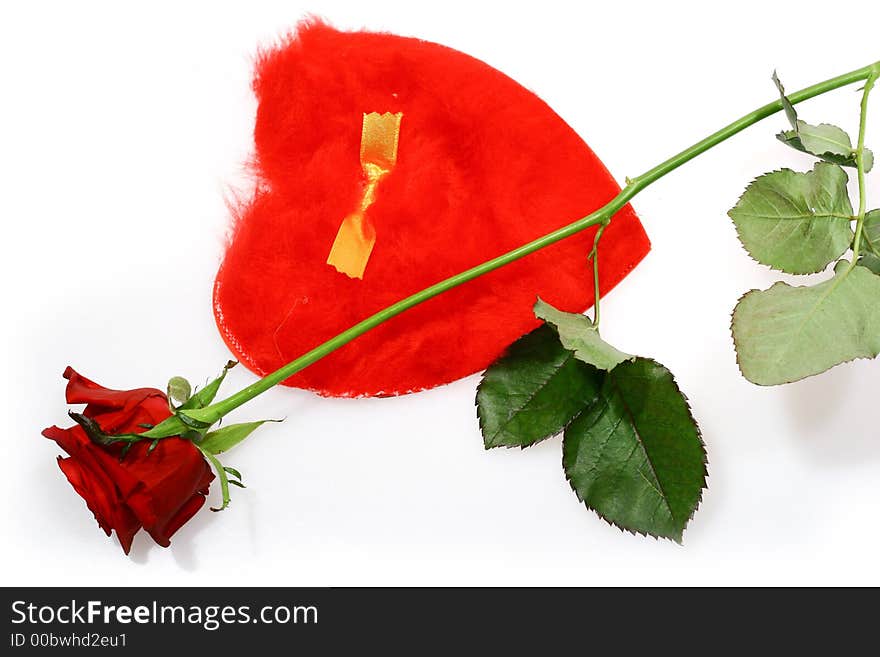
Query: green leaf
point(635, 456)
point(825, 141)
point(192, 422)
point(795, 139)
point(577, 334)
point(206, 395)
point(179, 389)
point(221, 475)
point(789, 109)
point(170, 426)
point(796, 222)
point(787, 333)
point(235, 473)
point(870, 261)
point(533, 391)
point(225, 438)
point(871, 233)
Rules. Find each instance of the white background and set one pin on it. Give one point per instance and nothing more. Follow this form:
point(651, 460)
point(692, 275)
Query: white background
point(123, 131)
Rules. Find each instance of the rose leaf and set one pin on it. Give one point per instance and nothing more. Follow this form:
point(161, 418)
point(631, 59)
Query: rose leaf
point(787, 333)
point(577, 334)
point(635, 456)
point(533, 391)
point(796, 222)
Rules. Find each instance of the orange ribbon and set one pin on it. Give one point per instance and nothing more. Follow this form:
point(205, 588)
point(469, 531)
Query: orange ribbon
point(356, 236)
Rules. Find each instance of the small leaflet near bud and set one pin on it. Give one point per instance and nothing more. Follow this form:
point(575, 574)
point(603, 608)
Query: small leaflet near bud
point(235, 473)
point(179, 389)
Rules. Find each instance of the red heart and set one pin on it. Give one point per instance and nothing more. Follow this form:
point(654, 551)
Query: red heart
point(483, 166)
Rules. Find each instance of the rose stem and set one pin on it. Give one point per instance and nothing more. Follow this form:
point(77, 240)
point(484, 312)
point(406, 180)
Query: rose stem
point(635, 185)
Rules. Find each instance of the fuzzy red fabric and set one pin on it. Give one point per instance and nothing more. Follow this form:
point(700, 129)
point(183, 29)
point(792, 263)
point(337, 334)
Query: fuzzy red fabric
point(483, 166)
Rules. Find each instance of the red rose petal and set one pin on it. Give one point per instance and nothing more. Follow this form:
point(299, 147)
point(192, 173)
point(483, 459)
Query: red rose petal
point(167, 478)
point(81, 390)
point(159, 491)
point(102, 499)
point(117, 411)
point(163, 533)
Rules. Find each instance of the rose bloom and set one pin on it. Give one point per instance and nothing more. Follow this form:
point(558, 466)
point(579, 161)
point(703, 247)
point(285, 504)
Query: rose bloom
point(159, 491)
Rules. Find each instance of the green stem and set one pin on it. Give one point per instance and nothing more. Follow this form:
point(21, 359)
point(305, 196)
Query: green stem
point(860, 164)
point(603, 215)
point(594, 256)
point(221, 475)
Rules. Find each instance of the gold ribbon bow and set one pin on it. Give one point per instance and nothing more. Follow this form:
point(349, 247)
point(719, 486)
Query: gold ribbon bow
point(356, 236)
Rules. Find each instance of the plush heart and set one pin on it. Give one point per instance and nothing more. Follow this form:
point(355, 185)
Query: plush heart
point(483, 166)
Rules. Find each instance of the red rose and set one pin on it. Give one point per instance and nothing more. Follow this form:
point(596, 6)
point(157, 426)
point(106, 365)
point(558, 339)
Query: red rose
point(159, 491)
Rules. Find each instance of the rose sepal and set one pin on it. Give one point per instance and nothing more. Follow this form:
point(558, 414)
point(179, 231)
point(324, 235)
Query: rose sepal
point(225, 438)
point(223, 476)
point(201, 398)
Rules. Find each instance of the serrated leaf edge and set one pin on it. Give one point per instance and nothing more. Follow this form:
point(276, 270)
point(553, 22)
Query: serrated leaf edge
point(787, 381)
point(568, 359)
point(705, 474)
point(792, 139)
point(745, 248)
